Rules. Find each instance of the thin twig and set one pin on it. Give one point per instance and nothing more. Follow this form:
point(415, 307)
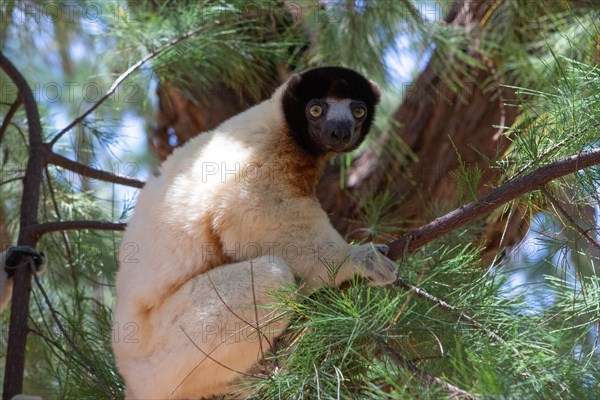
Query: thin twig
point(124, 76)
point(209, 357)
point(490, 201)
point(408, 298)
point(236, 314)
point(569, 218)
point(16, 178)
point(447, 307)
point(55, 344)
point(461, 314)
point(52, 345)
point(410, 366)
point(258, 331)
point(224, 341)
point(9, 115)
point(21, 134)
point(70, 341)
point(63, 233)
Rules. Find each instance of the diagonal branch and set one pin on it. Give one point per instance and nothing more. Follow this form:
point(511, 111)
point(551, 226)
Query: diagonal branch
point(461, 315)
point(124, 76)
point(427, 378)
point(90, 172)
point(490, 201)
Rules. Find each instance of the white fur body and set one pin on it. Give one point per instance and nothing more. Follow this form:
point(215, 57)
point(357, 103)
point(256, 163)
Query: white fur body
point(185, 285)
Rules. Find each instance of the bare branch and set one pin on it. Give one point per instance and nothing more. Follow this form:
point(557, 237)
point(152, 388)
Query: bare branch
point(47, 227)
point(91, 172)
point(124, 76)
point(490, 201)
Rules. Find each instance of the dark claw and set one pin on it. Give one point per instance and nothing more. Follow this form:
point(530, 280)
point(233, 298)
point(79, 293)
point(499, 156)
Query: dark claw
point(382, 248)
point(17, 255)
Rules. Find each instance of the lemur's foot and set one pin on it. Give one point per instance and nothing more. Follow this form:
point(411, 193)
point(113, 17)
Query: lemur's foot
point(374, 265)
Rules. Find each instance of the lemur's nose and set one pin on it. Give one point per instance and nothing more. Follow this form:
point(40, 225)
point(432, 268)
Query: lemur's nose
point(340, 135)
point(339, 131)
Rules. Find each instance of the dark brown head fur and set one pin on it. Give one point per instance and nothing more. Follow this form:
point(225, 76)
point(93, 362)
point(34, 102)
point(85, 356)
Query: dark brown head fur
point(326, 83)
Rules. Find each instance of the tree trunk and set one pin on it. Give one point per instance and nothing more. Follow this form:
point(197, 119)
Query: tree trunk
point(182, 116)
point(436, 131)
point(436, 124)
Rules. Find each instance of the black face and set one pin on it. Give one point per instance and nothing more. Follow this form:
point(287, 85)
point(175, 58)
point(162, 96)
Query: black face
point(336, 124)
point(329, 109)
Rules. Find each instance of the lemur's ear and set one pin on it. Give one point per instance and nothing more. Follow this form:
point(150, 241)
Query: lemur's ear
point(376, 90)
point(293, 81)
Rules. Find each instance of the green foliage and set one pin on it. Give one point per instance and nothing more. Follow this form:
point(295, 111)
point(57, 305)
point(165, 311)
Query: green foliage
point(477, 334)
point(357, 34)
point(559, 120)
point(468, 179)
point(236, 43)
point(377, 218)
point(370, 342)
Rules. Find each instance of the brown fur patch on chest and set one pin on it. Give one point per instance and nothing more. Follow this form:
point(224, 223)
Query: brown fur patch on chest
point(296, 172)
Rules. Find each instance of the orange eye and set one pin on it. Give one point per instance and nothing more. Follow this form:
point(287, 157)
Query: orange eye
point(359, 112)
point(315, 111)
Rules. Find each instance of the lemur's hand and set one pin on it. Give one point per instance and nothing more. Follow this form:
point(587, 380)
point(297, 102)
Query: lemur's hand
point(18, 255)
point(372, 263)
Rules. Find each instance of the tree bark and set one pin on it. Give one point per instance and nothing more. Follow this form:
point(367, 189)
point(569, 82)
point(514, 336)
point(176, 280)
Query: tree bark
point(182, 116)
point(437, 124)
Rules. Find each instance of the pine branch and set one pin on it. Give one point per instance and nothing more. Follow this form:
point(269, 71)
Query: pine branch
point(124, 76)
point(461, 315)
point(490, 201)
point(90, 172)
point(427, 378)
